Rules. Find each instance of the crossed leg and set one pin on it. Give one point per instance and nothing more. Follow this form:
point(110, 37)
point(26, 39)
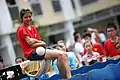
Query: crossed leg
point(62, 61)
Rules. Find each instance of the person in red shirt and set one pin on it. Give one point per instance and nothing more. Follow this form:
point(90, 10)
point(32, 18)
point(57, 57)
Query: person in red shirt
point(96, 47)
point(110, 49)
point(34, 47)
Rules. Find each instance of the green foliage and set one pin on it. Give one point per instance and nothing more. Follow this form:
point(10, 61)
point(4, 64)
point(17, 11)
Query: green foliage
point(42, 30)
point(118, 33)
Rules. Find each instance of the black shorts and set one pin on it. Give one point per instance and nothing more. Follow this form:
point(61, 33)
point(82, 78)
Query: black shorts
point(35, 56)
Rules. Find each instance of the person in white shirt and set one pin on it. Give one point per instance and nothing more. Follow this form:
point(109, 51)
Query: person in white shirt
point(78, 46)
point(102, 37)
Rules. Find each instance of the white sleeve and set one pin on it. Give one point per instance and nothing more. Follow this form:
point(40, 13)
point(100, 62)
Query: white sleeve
point(84, 58)
point(93, 36)
point(79, 48)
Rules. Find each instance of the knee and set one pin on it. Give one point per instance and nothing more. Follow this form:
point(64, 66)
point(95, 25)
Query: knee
point(62, 55)
point(40, 51)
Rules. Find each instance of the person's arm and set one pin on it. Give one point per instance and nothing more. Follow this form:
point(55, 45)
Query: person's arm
point(37, 44)
point(97, 56)
point(34, 42)
point(96, 34)
point(101, 51)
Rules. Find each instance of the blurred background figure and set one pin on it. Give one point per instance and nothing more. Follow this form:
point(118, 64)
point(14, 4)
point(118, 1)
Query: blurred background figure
point(102, 37)
point(73, 63)
point(96, 47)
point(90, 57)
point(111, 51)
point(94, 34)
point(19, 60)
point(78, 46)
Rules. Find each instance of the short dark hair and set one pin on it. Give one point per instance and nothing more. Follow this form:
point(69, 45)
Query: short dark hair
point(24, 11)
point(75, 36)
point(111, 25)
point(1, 59)
point(87, 42)
point(86, 34)
point(19, 58)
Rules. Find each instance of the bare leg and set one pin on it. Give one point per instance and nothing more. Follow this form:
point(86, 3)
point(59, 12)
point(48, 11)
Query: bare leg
point(63, 67)
point(63, 63)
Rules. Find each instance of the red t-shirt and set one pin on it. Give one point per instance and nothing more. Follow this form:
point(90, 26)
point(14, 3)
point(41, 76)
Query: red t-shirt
point(109, 48)
point(97, 48)
point(23, 31)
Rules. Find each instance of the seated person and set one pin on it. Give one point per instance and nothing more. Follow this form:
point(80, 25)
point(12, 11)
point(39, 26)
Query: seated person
point(90, 56)
point(78, 46)
point(72, 58)
point(96, 47)
point(34, 47)
point(19, 60)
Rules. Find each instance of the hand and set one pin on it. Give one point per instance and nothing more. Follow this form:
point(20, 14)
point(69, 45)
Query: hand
point(92, 30)
point(43, 42)
point(31, 41)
